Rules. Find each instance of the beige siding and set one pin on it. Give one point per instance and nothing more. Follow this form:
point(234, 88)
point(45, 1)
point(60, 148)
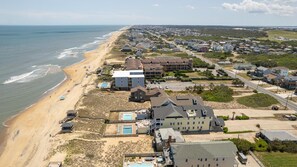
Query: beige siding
point(184, 124)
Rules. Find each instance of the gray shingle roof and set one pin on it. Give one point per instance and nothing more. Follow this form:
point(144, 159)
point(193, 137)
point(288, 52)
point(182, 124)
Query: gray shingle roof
point(214, 149)
point(278, 135)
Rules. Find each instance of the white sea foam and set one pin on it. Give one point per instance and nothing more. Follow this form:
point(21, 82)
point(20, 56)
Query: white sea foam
point(75, 51)
point(39, 71)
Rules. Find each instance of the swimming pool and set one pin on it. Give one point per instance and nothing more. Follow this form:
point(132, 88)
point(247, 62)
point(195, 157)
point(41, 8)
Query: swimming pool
point(127, 129)
point(144, 164)
point(127, 116)
point(104, 85)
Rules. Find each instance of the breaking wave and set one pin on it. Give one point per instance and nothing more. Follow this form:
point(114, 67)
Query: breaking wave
point(39, 71)
point(75, 51)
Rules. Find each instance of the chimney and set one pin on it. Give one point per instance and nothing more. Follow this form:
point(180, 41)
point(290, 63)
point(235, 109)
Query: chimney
point(169, 141)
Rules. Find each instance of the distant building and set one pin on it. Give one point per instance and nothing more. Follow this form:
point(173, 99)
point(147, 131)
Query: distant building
point(272, 135)
point(289, 82)
point(153, 71)
point(163, 138)
point(261, 71)
point(171, 63)
point(242, 66)
point(125, 80)
point(126, 48)
point(202, 154)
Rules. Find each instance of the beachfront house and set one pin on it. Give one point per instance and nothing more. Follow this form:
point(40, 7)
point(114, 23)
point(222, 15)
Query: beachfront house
point(183, 113)
point(201, 154)
point(125, 80)
point(141, 94)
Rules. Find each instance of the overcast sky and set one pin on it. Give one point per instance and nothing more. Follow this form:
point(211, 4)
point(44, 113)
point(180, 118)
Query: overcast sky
point(131, 12)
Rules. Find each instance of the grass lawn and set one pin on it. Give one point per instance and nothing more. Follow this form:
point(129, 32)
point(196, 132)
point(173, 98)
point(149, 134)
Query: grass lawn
point(277, 159)
point(257, 100)
point(244, 75)
point(273, 34)
point(218, 94)
point(193, 75)
point(288, 60)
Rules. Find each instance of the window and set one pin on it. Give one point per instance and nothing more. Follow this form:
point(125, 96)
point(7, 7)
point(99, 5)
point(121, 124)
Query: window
point(217, 164)
point(178, 123)
point(188, 127)
point(170, 123)
point(208, 165)
point(193, 127)
point(178, 128)
point(188, 123)
point(217, 159)
point(223, 159)
point(186, 160)
point(193, 123)
point(202, 122)
point(205, 159)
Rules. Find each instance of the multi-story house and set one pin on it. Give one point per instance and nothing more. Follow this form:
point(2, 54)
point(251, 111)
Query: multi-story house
point(202, 154)
point(125, 80)
point(170, 63)
point(183, 113)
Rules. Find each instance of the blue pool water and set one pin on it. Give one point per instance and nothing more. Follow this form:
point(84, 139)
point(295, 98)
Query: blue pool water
point(104, 85)
point(127, 116)
point(141, 165)
point(127, 129)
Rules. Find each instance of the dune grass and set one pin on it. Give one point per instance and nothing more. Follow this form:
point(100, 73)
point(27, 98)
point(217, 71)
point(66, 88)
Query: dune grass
point(257, 100)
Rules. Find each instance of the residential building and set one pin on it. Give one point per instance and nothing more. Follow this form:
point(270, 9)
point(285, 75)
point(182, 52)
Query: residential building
point(140, 94)
point(183, 113)
point(289, 82)
point(125, 80)
point(202, 154)
point(126, 48)
point(261, 71)
point(272, 135)
point(152, 71)
point(242, 66)
point(171, 63)
point(133, 64)
point(163, 137)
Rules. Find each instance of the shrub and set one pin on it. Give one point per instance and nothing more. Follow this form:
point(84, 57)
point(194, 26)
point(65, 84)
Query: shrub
point(243, 145)
point(243, 117)
point(261, 145)
point(225, 129)
point(225, 118)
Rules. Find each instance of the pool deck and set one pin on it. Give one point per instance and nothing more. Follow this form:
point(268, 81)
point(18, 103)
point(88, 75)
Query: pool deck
point(117, 129)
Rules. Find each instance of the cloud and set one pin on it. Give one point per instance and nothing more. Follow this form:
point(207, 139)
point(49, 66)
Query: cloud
point(276, 7)
point(190, 7)
point(156, 5)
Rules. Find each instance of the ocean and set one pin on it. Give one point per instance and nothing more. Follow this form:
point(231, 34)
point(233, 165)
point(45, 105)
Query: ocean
point(32, 59)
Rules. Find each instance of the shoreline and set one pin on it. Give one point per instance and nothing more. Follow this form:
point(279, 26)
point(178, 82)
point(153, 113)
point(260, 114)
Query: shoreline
point(22, 124)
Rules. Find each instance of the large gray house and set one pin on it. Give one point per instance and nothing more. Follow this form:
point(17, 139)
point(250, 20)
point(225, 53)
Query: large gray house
point(183, 113)
point(202, 154)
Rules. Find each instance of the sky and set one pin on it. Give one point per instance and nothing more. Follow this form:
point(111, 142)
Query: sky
point(156, 12)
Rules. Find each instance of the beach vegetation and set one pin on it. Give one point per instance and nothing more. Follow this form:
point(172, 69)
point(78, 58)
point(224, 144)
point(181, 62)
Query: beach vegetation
point(220, 93)
point(257, 100)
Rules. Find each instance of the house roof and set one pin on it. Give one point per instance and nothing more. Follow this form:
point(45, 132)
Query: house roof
point(172, 110)
point(128, 73)
point(278, 135)
point(186, 100)
point(166, 132)
point(138, 88)
point(214, 149)
point(133, 64)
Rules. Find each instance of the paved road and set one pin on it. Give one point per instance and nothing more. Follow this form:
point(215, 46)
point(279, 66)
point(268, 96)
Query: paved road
point(248, 83)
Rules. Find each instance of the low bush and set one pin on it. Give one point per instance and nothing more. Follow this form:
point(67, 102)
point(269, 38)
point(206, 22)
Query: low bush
point(225, 118)
point(225, 129)
point(243, 117)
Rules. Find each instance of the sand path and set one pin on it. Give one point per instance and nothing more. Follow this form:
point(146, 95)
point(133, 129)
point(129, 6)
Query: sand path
point(29, 135)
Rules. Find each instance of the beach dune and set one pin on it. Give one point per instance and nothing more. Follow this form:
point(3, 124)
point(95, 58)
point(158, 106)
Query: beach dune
point(28, 137)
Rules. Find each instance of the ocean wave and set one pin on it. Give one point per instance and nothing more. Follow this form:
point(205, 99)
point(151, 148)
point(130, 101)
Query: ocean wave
point(75, 51)
point(39, 71)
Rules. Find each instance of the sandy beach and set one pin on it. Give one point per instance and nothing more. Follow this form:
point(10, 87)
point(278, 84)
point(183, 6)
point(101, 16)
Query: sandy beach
point(28, 136)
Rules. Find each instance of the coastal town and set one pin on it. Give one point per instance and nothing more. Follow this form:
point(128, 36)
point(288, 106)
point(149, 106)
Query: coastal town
point(176, 96)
